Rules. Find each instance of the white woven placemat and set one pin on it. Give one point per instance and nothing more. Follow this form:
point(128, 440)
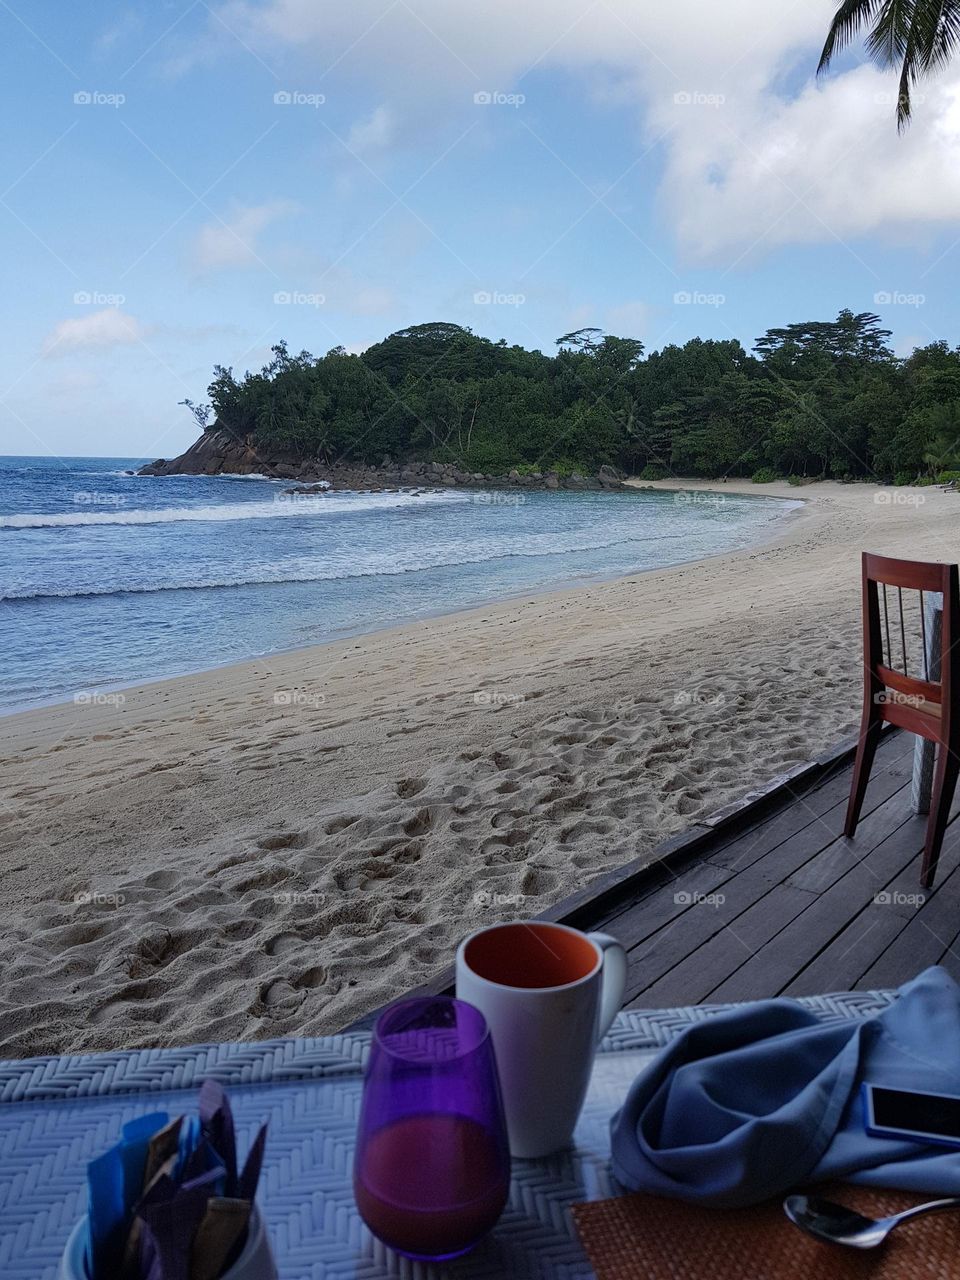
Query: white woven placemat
point(56, 1114)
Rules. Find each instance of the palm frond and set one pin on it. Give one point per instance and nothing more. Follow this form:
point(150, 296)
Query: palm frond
point(903, 97)
point(847, 23)
point(933, 38)
point(939, 24)
point(893, 31)
point(911, 57)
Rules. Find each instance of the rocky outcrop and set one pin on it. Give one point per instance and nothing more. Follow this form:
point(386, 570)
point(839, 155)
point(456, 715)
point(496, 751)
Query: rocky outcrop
point(219, 452)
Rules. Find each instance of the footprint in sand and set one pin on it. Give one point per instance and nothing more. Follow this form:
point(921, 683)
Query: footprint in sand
point(311, 978)
point(79, 934)
point(340, 824)
point(265, 879)
point(161, 880)
point(240, 930)
point(506, 817)
point(282, 943)
point(277, 998)
point(283, 840)
point(156, 950)
point(420, 823)
point(409, 853)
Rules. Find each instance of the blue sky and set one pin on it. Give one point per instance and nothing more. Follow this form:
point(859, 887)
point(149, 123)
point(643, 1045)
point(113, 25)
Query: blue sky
point(187, 183)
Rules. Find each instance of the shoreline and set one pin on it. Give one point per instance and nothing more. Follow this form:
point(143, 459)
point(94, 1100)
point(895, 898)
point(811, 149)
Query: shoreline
point(123, 685)
point(276, 847)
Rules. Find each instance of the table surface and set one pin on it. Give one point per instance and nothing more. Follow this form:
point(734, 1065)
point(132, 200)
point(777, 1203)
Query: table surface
point(56, 1114)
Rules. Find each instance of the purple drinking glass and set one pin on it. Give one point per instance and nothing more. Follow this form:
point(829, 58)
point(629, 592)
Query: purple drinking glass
point(432, 1166)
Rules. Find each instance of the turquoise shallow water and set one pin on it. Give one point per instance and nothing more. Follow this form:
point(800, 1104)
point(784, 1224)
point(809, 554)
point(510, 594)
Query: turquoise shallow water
point(107, 577)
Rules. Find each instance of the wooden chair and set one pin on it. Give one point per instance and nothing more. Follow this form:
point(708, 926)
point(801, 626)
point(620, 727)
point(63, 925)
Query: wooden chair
point(922, 706)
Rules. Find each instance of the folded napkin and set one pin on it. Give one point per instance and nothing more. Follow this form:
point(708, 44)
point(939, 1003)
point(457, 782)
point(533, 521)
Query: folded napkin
point(746, 1105)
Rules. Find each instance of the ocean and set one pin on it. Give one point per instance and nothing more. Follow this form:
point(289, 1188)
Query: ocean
point(108, 578)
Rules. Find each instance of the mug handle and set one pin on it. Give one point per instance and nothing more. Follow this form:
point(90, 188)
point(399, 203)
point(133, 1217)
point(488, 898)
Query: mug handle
point(614, 978)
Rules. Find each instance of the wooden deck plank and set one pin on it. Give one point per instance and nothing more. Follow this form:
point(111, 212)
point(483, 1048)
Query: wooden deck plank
point(663, 907)
point(692, 920)
point(840, 966)
point(755, 951)
point(950, 960)
point(885, 877)
point(801, 806)
point(773, 966)
point(870, 933)
point(928, 934)
point(731, 945)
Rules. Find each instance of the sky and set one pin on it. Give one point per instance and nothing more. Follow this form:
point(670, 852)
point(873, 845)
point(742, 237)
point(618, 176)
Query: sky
point(184, 184)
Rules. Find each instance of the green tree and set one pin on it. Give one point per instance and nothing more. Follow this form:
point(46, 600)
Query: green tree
point(818, 397)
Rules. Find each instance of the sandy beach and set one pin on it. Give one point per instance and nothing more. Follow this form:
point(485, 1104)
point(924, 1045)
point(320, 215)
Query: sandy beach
point(276, 847)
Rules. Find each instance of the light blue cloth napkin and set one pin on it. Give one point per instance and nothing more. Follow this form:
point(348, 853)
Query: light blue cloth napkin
point(750, 1104)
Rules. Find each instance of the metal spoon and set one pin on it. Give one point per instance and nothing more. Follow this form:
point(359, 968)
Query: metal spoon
point(835, 1224)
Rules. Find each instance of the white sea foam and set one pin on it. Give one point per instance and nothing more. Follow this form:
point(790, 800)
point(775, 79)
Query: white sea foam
point(223, 475)
point(284, 506)
point(359, 565)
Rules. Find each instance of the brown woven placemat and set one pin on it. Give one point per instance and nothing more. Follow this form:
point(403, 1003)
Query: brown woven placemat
point(640, 1237)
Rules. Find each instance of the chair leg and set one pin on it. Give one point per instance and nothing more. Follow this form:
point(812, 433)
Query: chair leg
point(944, 785)
point(866, 750)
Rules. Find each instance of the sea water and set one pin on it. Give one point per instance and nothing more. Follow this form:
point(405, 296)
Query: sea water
point(109, 578)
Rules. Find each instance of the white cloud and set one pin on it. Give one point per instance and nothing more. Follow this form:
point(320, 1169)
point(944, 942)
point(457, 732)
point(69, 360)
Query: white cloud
point(373, 131)
point(110, 327)
point(761, 154)
point(456, 50)
point(232, 242)
point(824, 166)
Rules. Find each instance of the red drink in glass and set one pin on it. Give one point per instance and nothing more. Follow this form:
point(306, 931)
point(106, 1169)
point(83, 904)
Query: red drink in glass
point(432, 1168)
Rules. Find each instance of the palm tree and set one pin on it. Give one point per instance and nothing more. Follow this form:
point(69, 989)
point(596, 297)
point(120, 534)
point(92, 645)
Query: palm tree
point(918, 36)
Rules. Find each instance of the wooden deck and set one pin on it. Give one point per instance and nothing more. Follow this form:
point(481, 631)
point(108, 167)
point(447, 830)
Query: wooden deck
point(774, 901)
point(768, 898)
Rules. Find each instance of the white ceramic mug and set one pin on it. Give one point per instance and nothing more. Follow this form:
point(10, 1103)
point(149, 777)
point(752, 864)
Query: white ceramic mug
point(548, 993)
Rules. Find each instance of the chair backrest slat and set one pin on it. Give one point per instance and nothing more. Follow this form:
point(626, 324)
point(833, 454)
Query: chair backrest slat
point(903, 632)
point(888, 655)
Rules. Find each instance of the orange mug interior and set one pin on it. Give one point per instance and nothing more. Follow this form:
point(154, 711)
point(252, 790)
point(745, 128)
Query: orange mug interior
point(530, 955)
